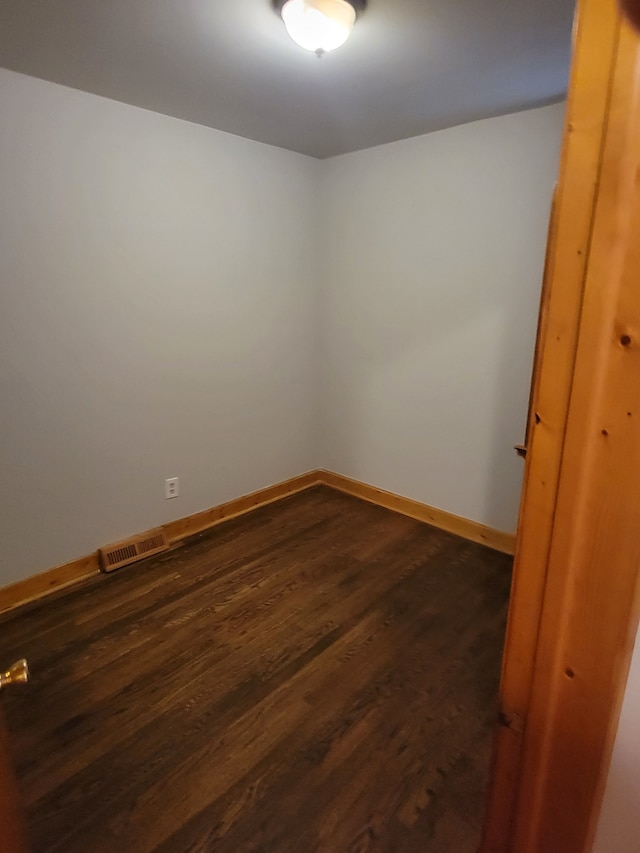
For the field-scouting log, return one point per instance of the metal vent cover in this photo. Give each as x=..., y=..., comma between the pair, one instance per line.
x=135, y=548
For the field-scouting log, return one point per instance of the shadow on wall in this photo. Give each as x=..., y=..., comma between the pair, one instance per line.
x=619, y=829
x=513, y=379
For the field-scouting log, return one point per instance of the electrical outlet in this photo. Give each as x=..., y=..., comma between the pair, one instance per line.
x=171, y=488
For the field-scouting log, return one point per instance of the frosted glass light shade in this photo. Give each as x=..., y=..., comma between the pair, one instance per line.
x=318, y=25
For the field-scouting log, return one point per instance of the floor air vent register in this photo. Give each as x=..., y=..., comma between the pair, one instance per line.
x=130, y=550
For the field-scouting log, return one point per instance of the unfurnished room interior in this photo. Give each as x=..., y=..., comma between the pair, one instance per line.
x=280, y=287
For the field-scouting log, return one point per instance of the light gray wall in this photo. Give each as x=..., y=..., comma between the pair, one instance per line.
x=157, y=308
x=176, y=301
x=434, y=252
x=619, y=826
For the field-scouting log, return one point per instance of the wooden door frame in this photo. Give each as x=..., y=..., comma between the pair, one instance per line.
x=573, y=620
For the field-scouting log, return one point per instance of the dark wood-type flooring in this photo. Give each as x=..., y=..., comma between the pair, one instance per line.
x=318, y=675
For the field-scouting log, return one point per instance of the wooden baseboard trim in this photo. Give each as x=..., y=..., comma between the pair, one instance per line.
x=70, y=573
x=37, y=586
x=191, y=524
x=472, y=530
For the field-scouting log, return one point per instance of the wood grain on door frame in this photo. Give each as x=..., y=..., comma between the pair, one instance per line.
x=574, y=604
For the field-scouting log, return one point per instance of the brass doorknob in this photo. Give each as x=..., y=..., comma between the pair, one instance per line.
x=16, y=674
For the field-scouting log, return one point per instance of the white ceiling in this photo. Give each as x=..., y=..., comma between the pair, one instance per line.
x=410, y=66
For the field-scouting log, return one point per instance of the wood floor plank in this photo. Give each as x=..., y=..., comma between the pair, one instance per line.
x=318, y=675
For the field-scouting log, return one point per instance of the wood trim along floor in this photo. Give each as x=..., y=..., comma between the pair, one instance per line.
x=52, y=580
x=183, y=527
x=37, y=586
x=57, y=578
x=464, y=527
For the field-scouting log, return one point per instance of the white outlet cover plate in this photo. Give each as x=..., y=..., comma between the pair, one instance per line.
x=171, y=488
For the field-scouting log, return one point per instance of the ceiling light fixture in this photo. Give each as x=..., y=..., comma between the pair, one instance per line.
x=319, y=25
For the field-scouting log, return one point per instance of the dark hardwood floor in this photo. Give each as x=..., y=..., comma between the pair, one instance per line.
x=318, y=675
